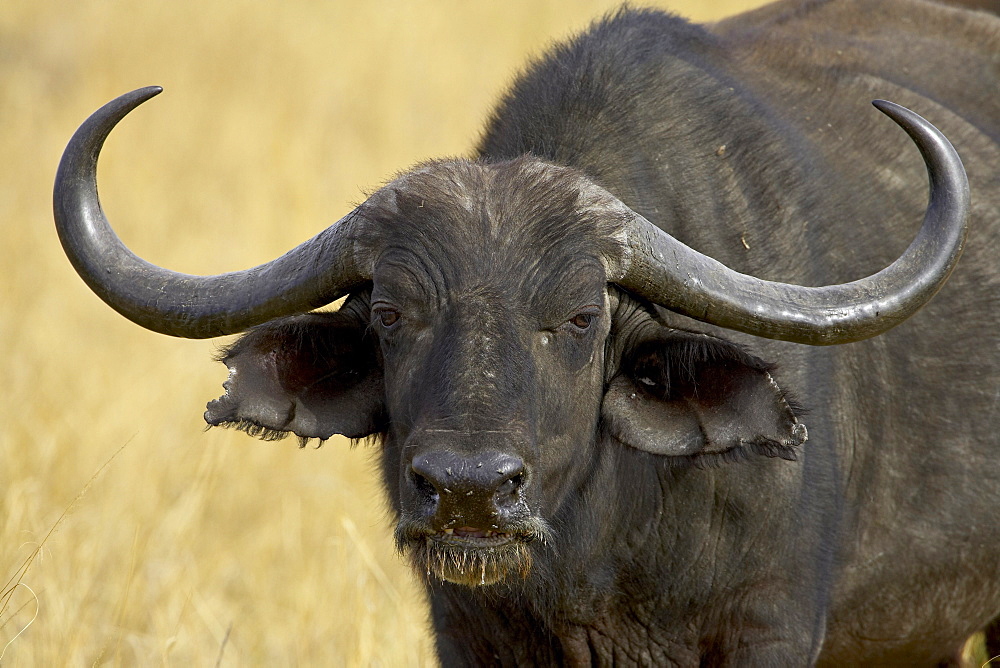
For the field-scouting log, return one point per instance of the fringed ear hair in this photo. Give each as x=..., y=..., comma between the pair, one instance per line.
x=691, y=395
x=312, y=375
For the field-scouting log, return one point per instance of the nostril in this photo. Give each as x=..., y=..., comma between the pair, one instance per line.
x=424, y=486
x=511, y=485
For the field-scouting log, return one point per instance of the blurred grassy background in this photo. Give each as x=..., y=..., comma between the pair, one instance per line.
x=193, y=546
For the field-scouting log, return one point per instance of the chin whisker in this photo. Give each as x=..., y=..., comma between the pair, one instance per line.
x=470, y=566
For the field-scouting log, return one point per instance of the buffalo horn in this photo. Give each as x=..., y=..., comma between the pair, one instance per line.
x=311, y=275
x=665, y=271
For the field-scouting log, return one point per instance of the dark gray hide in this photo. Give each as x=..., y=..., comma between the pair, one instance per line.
x=581, y=473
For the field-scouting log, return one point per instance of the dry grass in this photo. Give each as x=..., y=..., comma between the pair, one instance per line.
x=191, y=546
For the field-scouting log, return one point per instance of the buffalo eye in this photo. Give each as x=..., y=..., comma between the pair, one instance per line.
x=581, y=322
x=387, y=316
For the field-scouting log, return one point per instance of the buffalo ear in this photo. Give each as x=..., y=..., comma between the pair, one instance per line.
x=313, y=375
x=693, y=395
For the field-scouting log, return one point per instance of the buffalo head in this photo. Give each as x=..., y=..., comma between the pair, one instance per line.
x=501, y=324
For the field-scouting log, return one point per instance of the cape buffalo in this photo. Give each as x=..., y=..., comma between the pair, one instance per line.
x=590, y=390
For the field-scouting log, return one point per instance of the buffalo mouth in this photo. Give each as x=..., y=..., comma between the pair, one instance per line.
x=471, y=556
x=471, y=537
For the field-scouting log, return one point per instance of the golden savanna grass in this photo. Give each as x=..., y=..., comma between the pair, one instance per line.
x=191, y=547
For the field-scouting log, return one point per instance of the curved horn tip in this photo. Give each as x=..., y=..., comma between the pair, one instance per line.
x=117, y=108
x=905, y=118
x=898, y=113
x=882, y=105
x=90, y=136
x=147, y=92
x=136, y=97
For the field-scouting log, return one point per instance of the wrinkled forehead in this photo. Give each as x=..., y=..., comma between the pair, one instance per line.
x=463, y=222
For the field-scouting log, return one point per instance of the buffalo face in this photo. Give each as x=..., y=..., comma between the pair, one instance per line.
x=492, y=357
x=490, y=313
